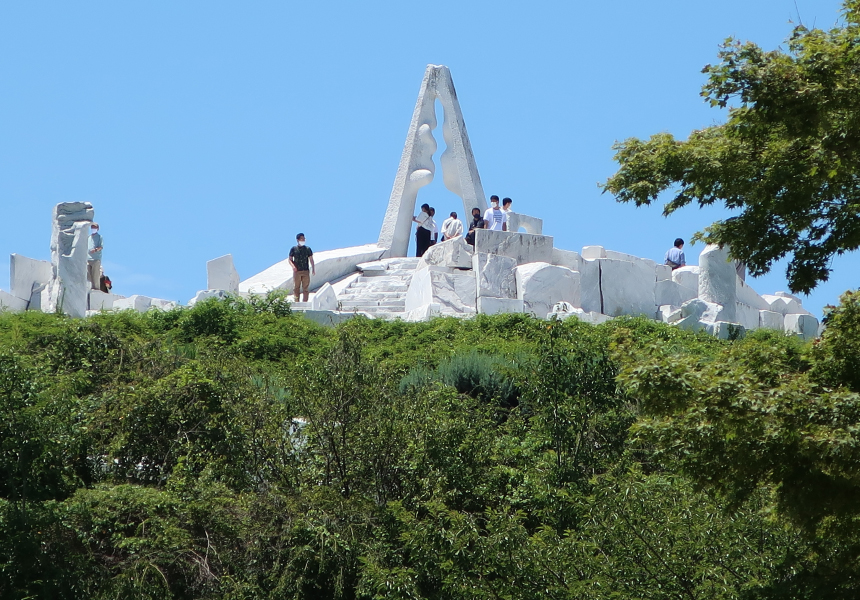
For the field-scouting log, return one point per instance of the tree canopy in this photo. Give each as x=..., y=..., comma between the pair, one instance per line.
x=787, y=159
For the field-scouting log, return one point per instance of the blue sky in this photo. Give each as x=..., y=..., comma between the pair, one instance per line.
x=198, y=129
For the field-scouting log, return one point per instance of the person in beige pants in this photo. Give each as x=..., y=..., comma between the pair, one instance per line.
x=302, y=257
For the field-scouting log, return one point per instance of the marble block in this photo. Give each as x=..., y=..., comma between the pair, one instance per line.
x=667, y=291
x=541, y=285
x=787, y=295
x=454, y=292
x=630, y=258
x=723, y=330
x=718, y=279
x=331, y=265
x=161, y=304
x=687, y=277
x=769, y=319
x=12, y=303
x=374, y=266
x=664, y=272
x=204, y=295
x=784, y=305
x=805, y=326
x=524, y=247
x=222, y=275
x=495, y=275
x=747, y=295
x=690, y=323
x=627, y=288
x=589, y=285
x=567, y=258
x=324, y=298
x=488, y=305
x=68, y=289
x=668, y=313
x=27, y=273
x=747, y=315
x=703, y=311
x=423, y=313
x=99, y=300
x=136, y=303
x=454, y=254
x=517, y=221
x=592, y=252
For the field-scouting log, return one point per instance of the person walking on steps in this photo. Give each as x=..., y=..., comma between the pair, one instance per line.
x=302, y=257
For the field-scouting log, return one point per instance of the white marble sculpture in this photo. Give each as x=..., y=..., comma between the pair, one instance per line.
x=459, y=171
x=68, y=289
x=221, y=274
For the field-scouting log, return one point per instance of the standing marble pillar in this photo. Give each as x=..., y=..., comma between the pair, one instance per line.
x=718, y=280
x=68, y=289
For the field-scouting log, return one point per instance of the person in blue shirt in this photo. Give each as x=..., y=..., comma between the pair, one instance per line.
x=675, y=256
x=94, y=256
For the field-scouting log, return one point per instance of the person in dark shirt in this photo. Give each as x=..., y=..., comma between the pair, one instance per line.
x=477, y=223
x=301, y=257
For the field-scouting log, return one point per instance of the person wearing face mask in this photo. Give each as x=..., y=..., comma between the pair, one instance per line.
x=495, y=218
x=477, y=223
x=301, y=256
x=94, y=256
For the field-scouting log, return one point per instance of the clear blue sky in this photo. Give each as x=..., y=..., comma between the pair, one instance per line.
x=198, y=129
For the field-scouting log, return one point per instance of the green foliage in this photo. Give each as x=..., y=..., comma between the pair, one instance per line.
x=237, y=450
x=786, y=159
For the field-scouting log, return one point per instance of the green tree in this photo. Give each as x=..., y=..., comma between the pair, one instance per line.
x=787, y=160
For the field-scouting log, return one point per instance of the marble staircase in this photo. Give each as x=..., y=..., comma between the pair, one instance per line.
x=381, y=288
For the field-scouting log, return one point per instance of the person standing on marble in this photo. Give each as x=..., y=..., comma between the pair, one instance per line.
x=477, y=223
x=451, y=227
x=506, y=204
x=434, y=231
x=495, y=218
x=94, y=256
x=675, y=256
x=302, y=257
x=422, y=232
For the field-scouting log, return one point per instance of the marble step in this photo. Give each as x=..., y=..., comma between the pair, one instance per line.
x=350, y=304
x=370, y=295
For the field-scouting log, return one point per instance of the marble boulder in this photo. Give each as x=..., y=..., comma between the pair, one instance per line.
x=541, y=285
x=454, y=254
x=222, y=275
x=25, y=274
x=523, y=247
x=495, y=275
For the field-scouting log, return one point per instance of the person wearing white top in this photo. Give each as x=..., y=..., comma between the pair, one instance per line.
x=506, y=204
x=451, y=227
x=496, y=219
x=422, y=232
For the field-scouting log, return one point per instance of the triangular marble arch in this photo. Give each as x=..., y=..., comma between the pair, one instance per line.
x=459, y=171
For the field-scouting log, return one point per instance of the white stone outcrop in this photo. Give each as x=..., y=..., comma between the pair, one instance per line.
x=771, y=320
x=26, y=274
x=454, y=254
x=541, y=285
x=523, y=247
x=11, y=303
x=488, y=305
x=199, y=297
x=567, y=258
x=68, y=289
x=627, y=287
x=517, y=221
x=454, y=292
x=331, y=265
x=325, y=298
x=495, y=275
x=805, y=326
x=593, y=252
x=718, y=279
x=221, y=274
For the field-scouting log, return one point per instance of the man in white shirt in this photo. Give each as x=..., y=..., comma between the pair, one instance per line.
x=496, y=219
x=434, y=230
x=506, y=204
x=451, y=227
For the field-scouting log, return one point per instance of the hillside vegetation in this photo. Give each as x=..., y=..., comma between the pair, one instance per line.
x=237, y=450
